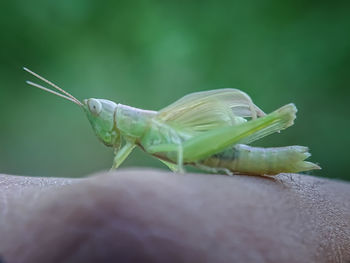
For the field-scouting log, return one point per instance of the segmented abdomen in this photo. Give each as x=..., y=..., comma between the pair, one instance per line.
x=255, y=160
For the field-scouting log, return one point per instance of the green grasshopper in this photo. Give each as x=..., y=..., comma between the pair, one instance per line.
x=209, y=130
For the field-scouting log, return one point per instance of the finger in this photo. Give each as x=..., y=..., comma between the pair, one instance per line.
x=157, y=216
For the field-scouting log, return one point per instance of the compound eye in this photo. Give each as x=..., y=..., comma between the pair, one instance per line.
x=95, y=106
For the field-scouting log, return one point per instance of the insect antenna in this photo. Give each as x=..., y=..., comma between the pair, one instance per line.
x=51, y=91
x=67, y=95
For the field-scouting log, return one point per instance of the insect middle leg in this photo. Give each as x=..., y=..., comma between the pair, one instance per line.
x=180, y=160
x=178, y=164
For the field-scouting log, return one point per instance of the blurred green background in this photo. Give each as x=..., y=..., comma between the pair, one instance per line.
x=149, y=53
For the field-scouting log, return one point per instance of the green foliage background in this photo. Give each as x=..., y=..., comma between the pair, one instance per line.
x=149, y=53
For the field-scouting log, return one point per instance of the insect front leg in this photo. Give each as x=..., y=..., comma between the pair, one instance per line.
x=122, y=154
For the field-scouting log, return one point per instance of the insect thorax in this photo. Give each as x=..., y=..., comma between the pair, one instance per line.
x=132, y=122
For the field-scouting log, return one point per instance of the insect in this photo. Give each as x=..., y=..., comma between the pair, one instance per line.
x=209, y=130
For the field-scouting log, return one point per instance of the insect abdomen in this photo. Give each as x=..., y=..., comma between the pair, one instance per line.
x=255, y=160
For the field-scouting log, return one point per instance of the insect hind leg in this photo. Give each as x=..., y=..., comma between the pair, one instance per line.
x=196, y=148
x=213, y=170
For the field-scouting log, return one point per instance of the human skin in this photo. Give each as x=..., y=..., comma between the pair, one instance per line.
x=155, y=216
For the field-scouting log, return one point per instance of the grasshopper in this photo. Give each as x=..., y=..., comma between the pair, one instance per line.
x=210, y=130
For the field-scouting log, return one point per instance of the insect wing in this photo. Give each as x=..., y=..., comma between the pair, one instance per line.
x=203, y=111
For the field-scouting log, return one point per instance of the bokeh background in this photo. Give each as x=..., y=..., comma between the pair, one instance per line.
x=149, y=53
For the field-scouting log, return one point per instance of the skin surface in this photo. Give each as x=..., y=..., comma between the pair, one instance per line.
x=155, y=216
